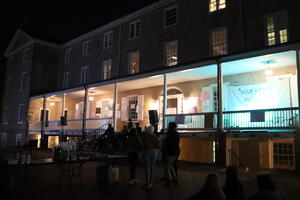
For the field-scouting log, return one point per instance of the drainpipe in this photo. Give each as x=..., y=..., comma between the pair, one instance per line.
x=115, y=107
x=165, y=101
x=84, y=112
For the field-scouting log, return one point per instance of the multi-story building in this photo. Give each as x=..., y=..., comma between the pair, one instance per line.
x=226, y=71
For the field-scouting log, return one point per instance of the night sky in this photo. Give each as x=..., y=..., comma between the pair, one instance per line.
x=61, y=21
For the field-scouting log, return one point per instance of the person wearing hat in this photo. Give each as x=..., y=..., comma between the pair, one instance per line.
x=152, y=144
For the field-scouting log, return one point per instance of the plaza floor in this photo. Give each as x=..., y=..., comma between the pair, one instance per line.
x=39, y=183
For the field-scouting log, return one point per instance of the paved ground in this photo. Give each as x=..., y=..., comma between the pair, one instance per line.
x=39, y=183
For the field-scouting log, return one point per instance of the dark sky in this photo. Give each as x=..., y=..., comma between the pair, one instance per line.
x=61, y=20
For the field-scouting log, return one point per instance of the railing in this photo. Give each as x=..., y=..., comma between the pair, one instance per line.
x=263, y=118
x=34, y=127
x=245, y=119
x=193, y=121
x=102, y=126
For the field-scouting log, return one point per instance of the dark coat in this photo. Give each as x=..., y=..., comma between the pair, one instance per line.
x=171, y=143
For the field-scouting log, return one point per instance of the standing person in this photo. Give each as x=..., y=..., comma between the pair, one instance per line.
x=211, y=190
x=233, y=189
x=130, y=124
x=133, y=146
x=151, y=143
x=266, y=188
x=138, y=128
x=171, y=149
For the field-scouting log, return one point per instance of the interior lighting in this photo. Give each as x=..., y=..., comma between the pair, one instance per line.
x=91, y=98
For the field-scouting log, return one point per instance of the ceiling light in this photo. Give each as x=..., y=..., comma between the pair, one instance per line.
x=52, y=104
x=268, y=72
x=91, y=98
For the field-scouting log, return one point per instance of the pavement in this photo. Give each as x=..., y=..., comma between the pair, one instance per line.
x=42, y=183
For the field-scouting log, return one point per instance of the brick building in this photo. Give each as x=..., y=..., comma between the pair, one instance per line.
x=226, y=71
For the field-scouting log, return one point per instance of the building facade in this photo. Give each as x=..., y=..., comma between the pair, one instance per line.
x=226, y=71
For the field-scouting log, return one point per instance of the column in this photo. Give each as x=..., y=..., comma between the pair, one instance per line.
x=44, y=138
x=165, y=101
x=114, y=124
x=84, y=112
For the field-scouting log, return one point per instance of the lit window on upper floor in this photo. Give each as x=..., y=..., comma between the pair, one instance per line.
x=134, y=62
x=171, y=16
x=108, y=39
x=218, y=41
x=171, y=55
x=86, y=47
x=276, y=28
x=26, y=55
x=68, y=55
x=106, y=69
x=134, y=29
x=215, y=5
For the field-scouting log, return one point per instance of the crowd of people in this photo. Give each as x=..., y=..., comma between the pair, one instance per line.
x=145, y=145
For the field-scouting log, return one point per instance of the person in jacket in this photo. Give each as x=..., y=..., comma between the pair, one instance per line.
x=133, y=147
x=151, y=145
x=171, y=150
x=266, y=188
x=233, y=189
x=211, y=189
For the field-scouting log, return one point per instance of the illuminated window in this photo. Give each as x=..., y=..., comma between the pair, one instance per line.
x=216, y=5
x=171, y=57
x=134, y=29
x=84, y=75
x=21, y=114
x=66, y=81
x=68, y=55
x=219, y=41
x=86, y=47
x=23, y=81
x=132, y=110
x=107, y=69
x=26, y=55
x=108, y=39
x=276, y=28
x=171, y=16
x=134, y=62
x=283, y=155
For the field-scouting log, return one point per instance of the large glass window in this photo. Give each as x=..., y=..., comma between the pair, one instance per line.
x=135, y=29
x=136, y=98
x=276, y=27
x=108, y=39
x=192, y=97
x=100, y=107
x=261, y=91
x=106, y=69
x=219, y=41
x=216, y=5
x=171, y=16
x=171, y=57
x=134, y=62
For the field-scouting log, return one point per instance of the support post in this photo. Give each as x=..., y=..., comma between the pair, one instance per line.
x=84, y=112
x=220, y=137
x=297, y=133
x=115, y=107
x=62, y=128
x=165, y=101
x=44, y=138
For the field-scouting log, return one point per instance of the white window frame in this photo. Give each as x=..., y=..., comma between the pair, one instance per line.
x=66, y=80
x=108, y=39
x=219, y=44
x=9, y=79
x=25, y=55
x=165, y=16
x=68, y=55
x=129, y=62
x=86, y=47
x=280, y=25
x=218, y=5
x=4, y=139
x=6, y=115
x=21, y=113
x=136, y=34
x=107, y=69
x=165, y=53
x=84, y=75
x=22, y=81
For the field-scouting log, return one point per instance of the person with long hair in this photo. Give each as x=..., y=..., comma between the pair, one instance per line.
x=234, y=189
x=266, y=188
x=211, y=189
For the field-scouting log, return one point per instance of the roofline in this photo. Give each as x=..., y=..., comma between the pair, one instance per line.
x=119, y=21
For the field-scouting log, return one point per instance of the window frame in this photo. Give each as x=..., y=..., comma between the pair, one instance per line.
x=108, y=36
x=129, y=61
x=217, y=5
x=68, y=55
x=106, y=72
x=177, y=16
x=3, y=135
x=84, y=75
x=134, y=23
x=6, y=115
x=26, y=55
x=165, y=52
x=86, y=47
x=66, y=84
x=21, y=112
x=224, y=28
